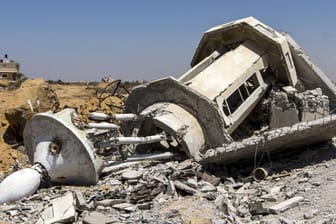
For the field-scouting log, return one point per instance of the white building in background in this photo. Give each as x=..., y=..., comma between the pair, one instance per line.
x=9, y=69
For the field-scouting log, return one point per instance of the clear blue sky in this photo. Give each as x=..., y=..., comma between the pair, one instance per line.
x=86, y=40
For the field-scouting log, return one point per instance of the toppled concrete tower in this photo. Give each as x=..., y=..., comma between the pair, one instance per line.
x=241, y=71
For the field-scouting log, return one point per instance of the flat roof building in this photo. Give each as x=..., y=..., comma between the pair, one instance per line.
x=9, y=69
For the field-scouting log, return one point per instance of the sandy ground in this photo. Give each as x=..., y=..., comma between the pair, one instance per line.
x=8, y=155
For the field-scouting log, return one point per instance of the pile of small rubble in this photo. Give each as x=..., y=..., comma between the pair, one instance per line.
x=185, y=192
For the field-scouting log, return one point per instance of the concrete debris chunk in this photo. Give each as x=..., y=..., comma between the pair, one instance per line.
x=186, y=164
x=96, y=218
x=206, y=187
x=181, y=186
x=171, y=190
x=144, y=206
x=80, y=199
x=110, y=202
x=209, y=178
x=311, y=214
x=125, y=206
x=192, y=183
x=131, y=174
x=4, y=208
x=119, y=166
x=287, y=204
x=61, y=209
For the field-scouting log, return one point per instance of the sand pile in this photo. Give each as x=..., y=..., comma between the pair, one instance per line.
x=32, y=97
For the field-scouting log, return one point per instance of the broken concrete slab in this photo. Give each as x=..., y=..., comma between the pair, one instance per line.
x=131, y=174
x=97, y=218
x=186, y=164
x=181, y=186
x=283, y=113
x=110, y=202
x=212, y=179
x=80, y=199
x=61, y=209
x=206, y=187
x=295, y=136
x=125, y=206
x=118, y=166
x=287, y=204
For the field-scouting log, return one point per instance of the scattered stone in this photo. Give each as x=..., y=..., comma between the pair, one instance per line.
x=289, y=194
x=284, y=220
x=131, y=174
x=308, y=174
x=186, y=164
x=144, y=206
x=80, y=200
x=13, y=212
x=4, y=208
x=110, y=202
x=230, y=180
x=211, y=178
x=310, y=214
x=100, y=208
x=316, y=183
x=171, y=188
x=138, y=193
x=330, y=179
x=207, y=187
x=96, y=218
x=60, y=209
x=303, y=180
x=287, y=204
x=237, y=185
x=179, y=185
x=257, y=208
x=275, y=190
x=242, y=211
x=124, y=216
x=269, y=197
x=125, y=206
x=192, y=183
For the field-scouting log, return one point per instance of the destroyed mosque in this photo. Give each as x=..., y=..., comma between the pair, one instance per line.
x=249, y=87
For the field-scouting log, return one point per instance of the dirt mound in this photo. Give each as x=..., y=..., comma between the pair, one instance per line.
x=4, y=83
x=33, y=96
x=15, y=111
x=90, y=98
x=110, y=105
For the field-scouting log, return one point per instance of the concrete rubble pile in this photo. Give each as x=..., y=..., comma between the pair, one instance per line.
x=251, y=93
x=151, y=192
